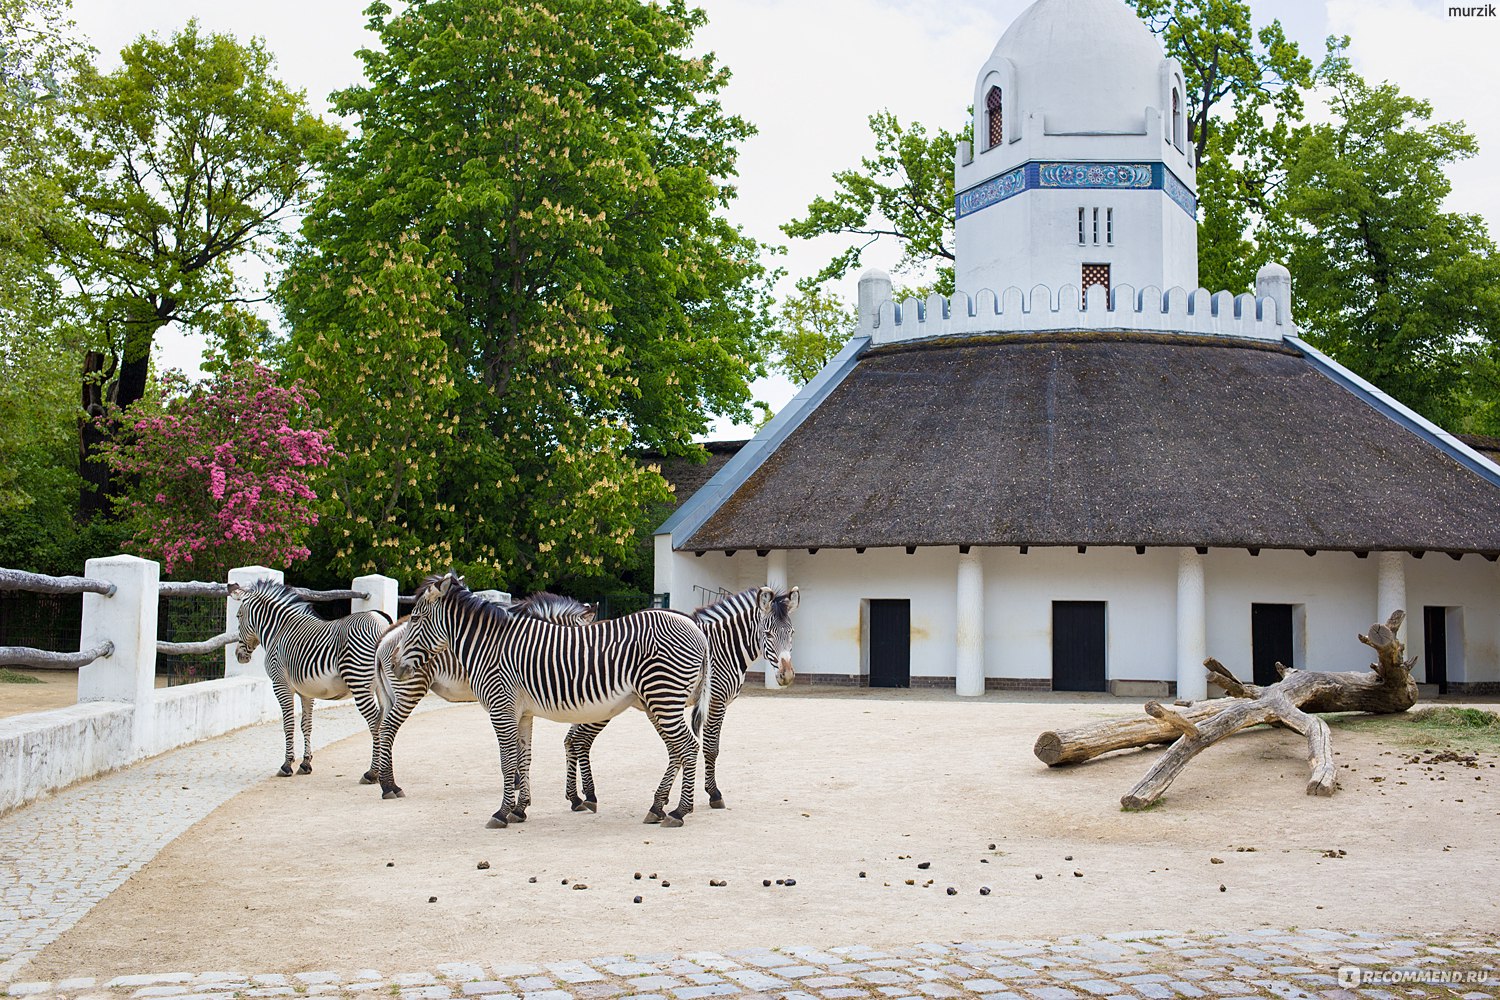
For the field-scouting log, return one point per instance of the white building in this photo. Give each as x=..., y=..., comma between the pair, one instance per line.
x=1025, y=487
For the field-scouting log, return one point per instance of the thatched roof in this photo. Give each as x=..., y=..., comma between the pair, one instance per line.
x=1103, y=439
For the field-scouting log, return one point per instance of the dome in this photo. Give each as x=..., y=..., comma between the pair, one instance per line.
x=1089, y=65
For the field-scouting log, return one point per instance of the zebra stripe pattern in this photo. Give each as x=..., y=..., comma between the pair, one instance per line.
x=741, y=629
x=443, y=674
x=310, y=658
x=520, y=668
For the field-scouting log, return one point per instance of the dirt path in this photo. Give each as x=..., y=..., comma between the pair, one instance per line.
x=58, y=689
x=318, y=872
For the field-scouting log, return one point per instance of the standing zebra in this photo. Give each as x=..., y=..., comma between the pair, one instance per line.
x=741, y=629
x=443, y=673
x=311, y=658
x=521, y=667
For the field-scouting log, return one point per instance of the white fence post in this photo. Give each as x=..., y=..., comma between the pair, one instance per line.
x=128, y=619
x=245, y=576
x=382, y=591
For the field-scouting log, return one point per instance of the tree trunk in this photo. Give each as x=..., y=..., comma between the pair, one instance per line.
x=1289, y=702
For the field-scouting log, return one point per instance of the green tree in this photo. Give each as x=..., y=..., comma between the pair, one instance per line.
x=1386, y=281
x=814, y=326
x=1243, y=102
x=904, y=191
x=179, y=164
x=557, y=171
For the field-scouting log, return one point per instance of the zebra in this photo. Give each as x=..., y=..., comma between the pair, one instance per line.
x=522, y=667
x=741, y=629
x=311, y=658
x=443, y=673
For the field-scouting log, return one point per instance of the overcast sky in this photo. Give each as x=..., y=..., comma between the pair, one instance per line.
x=807, y=73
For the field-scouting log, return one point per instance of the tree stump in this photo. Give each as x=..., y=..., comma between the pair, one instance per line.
x=1290, y=702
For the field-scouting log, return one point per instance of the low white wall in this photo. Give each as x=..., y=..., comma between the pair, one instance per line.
x=41, y=752
x=192, y=712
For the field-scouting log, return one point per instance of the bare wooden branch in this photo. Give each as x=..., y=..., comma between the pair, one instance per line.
x=1292, y=702
x=37, y=583
x=25, y=656
x=1157, y=710
x=193, y=648
x=330, y=595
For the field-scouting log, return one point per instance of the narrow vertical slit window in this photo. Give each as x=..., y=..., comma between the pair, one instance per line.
x=1176, y=118
x=1080, y=226
x=994, y=105
x=1109, y=226
x=1096, y=227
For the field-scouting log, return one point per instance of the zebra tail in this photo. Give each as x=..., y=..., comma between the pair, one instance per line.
x=385, y=691
x=700, y=707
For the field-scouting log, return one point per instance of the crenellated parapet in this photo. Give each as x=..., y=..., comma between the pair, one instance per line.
x=1264, y=315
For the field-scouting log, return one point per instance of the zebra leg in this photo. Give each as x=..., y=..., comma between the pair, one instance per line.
x=369, y=707
x=712, y=730
x=408, y=694
x=307, y=706
x=579, y=741
x=287, y=700
x=677, y=737
x=503, y=719
x=523, y=785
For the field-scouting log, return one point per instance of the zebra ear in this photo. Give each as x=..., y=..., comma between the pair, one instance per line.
x=763, y=600
x=235, y=591
x=793, y=599
x=445, y=584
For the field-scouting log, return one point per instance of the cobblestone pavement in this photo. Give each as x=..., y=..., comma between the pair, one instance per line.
x=64, y=853
x=1154, y=965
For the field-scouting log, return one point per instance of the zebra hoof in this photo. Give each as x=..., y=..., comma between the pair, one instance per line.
x=304, y=768
x=580, y=806
x=495, y=823
x=591, y=805
x=368, y=778
x=671, y=822
x=393, y=793
x=285, y=772
x=716, y=804
x=653, y=817
x=516, y=817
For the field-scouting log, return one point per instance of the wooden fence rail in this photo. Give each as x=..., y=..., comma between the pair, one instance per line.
x=25, y=656
x=194, y=648
x=37, y=583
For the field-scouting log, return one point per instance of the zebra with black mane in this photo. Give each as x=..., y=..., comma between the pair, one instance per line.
x=444, y=674
x=522, y=667
x=310, y=658
x=742, y=629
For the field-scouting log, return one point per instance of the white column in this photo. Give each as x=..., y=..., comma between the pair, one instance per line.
x=1192, y=626
x=776, y=580
x=1390, y=591
x=969, y=666
x=246, y=576
x=128, y=620
x=383, y=595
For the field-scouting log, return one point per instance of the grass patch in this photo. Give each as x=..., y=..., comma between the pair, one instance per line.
x=9, y=676
x=1435, y=727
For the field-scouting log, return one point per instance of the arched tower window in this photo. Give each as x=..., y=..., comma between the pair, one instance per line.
x=994, y=106
x=1176, y=118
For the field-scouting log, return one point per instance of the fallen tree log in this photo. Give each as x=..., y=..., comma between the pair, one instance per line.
x=1290, y=702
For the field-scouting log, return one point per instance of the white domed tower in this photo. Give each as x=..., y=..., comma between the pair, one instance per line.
x=1080, y=172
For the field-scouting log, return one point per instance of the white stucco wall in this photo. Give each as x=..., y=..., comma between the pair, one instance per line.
x=1335, y=593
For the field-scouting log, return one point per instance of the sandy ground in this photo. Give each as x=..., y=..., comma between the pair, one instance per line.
x=59, y=689
x=319, y=872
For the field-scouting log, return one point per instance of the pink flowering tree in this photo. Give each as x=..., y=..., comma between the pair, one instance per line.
x=219, y=474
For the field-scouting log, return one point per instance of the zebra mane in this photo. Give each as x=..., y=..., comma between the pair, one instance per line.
x=778, y=603
x=459, y=595
x=550, y=607
x=277, y=593
x=436, y=578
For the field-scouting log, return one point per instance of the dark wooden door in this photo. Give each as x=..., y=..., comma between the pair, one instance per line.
x=890, y=644
x=1271, y=640
x=1078, y=646
x=1435, y=641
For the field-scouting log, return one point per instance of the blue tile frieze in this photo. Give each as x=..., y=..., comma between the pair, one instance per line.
x=1076, y=177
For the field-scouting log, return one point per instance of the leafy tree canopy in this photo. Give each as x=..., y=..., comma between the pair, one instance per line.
x=536, y=192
